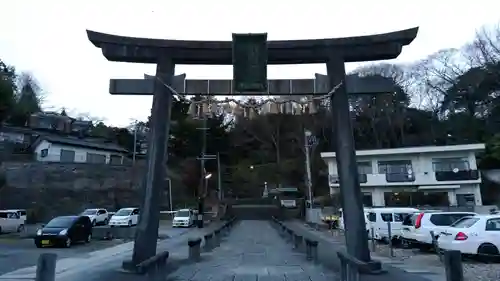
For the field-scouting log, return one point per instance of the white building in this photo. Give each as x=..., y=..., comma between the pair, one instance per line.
x=74, y=150
x=415, y=176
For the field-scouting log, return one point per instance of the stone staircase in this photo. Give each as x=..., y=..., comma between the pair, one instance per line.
x=260, y=209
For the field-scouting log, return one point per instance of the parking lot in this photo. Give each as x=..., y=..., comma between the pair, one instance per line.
x=18, y=250
x=474, y=269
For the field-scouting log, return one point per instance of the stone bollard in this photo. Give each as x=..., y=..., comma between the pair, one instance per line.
x=435, y=245
x=194, y=248
x=209, y=241
x=290, y=235
x=297, y=242
x=311, y=250
x=453, y=266
x=46, y=267
x=217, y=238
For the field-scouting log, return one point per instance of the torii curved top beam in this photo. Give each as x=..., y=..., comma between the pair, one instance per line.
x=360, y=48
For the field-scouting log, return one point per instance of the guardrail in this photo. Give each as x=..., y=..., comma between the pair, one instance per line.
x=213, y=238
x=351, y=268
x=155, y=267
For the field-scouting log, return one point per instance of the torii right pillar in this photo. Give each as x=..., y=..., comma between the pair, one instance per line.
x=343, y=140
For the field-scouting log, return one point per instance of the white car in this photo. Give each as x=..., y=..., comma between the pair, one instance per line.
x=96, y=216
x=10, y=222
x=478, y=235
x=125, y=217
x=21, y=212
x=416, y=230
x=183, y=218
x=341, y=218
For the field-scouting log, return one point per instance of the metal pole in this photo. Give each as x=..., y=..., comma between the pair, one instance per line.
x=135, y=143
x=146, y=235
x=203, y=181
x=307, y=134
x=170, y=194
x=219, y=179
x=343, y=143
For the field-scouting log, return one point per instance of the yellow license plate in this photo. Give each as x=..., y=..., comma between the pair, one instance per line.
x=45, y=242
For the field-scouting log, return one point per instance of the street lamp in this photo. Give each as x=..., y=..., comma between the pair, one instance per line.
x=207, y=176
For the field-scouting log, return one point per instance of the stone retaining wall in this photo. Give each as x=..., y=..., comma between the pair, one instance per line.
x=49, y=189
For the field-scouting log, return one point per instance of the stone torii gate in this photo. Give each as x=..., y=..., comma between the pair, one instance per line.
x=167, y=53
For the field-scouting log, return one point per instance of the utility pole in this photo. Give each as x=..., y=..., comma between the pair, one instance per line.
x=308, y=142
x=170, y=193
x=219, y=178
x=135, y=142
x=202, y=189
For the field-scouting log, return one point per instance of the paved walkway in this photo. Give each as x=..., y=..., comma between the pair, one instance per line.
x=253, y=251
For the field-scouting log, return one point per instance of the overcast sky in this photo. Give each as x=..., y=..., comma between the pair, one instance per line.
x=48, y=38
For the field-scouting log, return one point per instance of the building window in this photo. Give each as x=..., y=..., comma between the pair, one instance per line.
x=44, y=152
x=395, y=167
x=365, y=168
x=450, y=164
x=45, y=123
x=67, y=156
x=95, y=158
x=115, y=160
x=466, y=200
x=367, y=199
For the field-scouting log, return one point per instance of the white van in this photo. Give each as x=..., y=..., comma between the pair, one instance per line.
x=183, y=218
x=10, y=221
x=341, y=218
x=21, y=212
x=125, y=217
x=378, y=219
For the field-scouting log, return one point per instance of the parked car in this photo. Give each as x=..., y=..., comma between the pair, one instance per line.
x=21, y=212
x=478, y=235
x=10, y=221
x=380, y=218
x=341, y=218
x=96, y=216
x=416, y=230
x=183, y=218
x=64, y=231
x=125, y=217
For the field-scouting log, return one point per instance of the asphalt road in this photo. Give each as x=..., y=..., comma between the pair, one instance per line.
x=16, y=252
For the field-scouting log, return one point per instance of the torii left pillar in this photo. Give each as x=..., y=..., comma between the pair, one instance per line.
x=146, y=236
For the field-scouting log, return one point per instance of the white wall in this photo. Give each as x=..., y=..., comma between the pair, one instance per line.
x=54, y=152
x=378, y=198
x=422, y=168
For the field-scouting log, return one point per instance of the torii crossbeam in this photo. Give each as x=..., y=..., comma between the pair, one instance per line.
x=355, y=84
